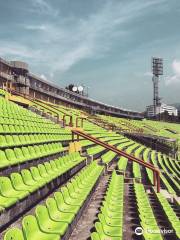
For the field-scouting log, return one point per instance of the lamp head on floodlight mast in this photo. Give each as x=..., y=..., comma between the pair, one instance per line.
x=157, y=70
x=78, y=89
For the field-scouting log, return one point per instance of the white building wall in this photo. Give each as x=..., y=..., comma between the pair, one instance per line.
x=160, y=109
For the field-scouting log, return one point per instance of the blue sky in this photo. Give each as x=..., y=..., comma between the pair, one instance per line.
x=106, y=45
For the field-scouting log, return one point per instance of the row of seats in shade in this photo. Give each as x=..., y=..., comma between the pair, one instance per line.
x=15, y=156
x=20, y=185
x=52, y=220
x=109, y=224
x=26, y=139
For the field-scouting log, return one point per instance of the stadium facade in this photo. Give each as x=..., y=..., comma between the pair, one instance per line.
x=15, y=76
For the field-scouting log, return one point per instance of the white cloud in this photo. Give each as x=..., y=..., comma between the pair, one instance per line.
x=63, y=43
x=35, y=27
x=175, y=79
x=43, y=7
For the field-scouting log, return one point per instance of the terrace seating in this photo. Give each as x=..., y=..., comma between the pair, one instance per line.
x=110, y=219
x=20, y=185
x=14, y=156
x=47, y=222
x=146, y=216
x=28, y=142
x=170, y=214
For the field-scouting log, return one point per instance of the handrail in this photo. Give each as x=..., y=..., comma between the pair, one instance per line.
x=156, y=172
x=82, y=121
x=70, y=120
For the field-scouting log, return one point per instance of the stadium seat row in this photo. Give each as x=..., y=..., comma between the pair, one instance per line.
x=26, y=139
x=20, y=185
x=110, y=219
x=146, y=215
x=18, y=155
x=52, y=220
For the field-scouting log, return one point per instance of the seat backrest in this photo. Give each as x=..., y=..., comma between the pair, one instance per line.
x=16, y=179
x=59, y=198
x=10, y=154
x=35, y=172
x=42, y=169
x=99, y=228
x=14, y=234
x=5, y=185
x=53, y=165
x=30, y=226
x=2, y=140
x=9, y=139
x=18, y=152
x=48, y=167
x=41, y=213
x=3, y=156
x=26, y=174
x=95, y=236
x=51, y=205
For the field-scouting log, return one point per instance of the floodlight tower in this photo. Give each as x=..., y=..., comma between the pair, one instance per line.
x=157, y=70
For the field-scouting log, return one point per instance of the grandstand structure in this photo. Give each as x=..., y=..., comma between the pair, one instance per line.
x=14, y=75
x=73, y=168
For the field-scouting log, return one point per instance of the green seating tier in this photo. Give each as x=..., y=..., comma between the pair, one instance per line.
x=146, y=215
x=110, y=219
x=15, y=156
x=21, y=184
x=51, y=221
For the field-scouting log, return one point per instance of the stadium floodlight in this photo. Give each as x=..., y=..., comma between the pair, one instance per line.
x=157, y=66
x=157, y=70
x=80, y=88
x=74, y=89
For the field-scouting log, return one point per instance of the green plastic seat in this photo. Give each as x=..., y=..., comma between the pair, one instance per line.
x=95, y=236
x=56, y=214
x=7, y=189
x=19, y=154
x=48, y=225
x=36, y=176
x=6, y=202
x=11, y=156
x=28, y=179
x=18, y=183
x=3, y=160
x=64, y=207
x=50, y=171
x=43, y=173
x=9, y=140
x=103, y=235
x=32, y=231
x=26, y=153
x=14, y=234
x=3, y=142
x=68, y=199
